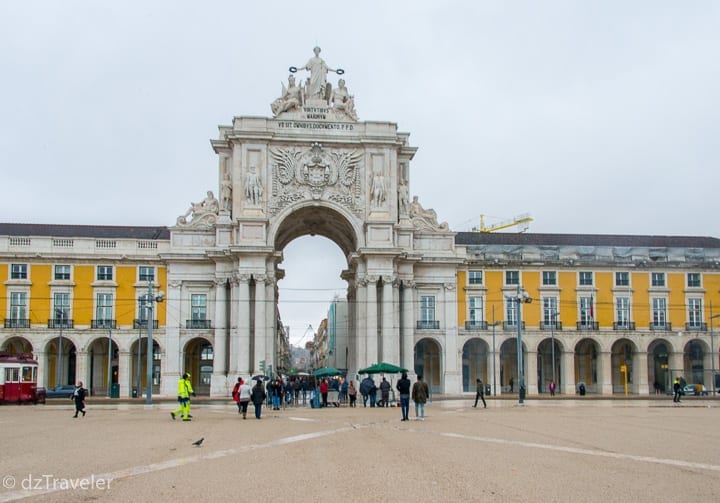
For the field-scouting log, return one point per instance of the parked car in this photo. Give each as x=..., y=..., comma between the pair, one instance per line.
x=60, y=391
x=691, y=390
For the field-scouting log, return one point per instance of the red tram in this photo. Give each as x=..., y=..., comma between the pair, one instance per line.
x=18, y=379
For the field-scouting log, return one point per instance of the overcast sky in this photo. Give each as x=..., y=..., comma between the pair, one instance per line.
x=592, y=116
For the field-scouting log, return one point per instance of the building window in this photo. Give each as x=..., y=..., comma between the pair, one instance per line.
x=657, y=279
x=695, y=313
x=206, y=352
x=476, y=310
x=585, y=278
x=659, y=312
x=475, y=278
x=198, y=307
x=18, y=271
x=427, y=308
x=146, y=273
x=622, y=279
x=104, y=273
x=622, y=312
x=205, y=374
x=549, y=278
x=693, y=279
x=512, y=277
x=587, y=311
x=511, y=312
x=18, y=306
x=103, y=310
x=61, y=305
x=62, y=272
x=550, y=311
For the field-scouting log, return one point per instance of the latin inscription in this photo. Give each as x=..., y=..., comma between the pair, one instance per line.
x=316, y=125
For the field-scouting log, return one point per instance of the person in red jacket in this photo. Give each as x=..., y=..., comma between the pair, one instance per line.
x=324, y=392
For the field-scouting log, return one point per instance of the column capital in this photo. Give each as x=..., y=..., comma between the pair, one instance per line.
x=238, y=278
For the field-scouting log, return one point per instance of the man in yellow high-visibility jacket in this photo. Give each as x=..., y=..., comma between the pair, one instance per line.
x=185, y=389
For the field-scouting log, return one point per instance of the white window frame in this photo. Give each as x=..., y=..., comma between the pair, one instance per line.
x=19, y=271
x=699, y=280
x=18, y=305
x=475, y=277
x=142, y=273
x=656, y=278
x=508, y=278
x=659, y=311
x=583, y=277
x=103, y=312
x=547, y=276
x=550, y=306
x=626, y=276
x=61, y=270
x=427, y=308
x=105, y=268
x=197, y=309
x=695, y=312
x=475, y=309
x=622, y=311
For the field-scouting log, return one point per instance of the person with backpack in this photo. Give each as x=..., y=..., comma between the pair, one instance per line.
x=257, y=397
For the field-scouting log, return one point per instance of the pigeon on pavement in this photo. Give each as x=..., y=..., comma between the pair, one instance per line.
x=198, y=443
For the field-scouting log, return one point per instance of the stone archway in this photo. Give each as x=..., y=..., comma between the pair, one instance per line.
x=97, y=366
x=510, y=383
x=658, y=364
x=624, y=366
x=427, y=363
x=138, y=367
x=17, y=345
x=199, y=357
x=61, y=361
x=587, y=371
x=546, y=364
x=695, y=355
x=474, y=364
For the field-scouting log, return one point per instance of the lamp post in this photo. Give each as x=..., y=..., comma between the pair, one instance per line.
x=493, y=325
x=712, y=349
x=59, y=318
x=148, y=301
x=109, y=363
x=553, y=314
x=520, y=298
x=137, y=365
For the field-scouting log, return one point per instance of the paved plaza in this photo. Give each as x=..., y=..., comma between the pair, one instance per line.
x=545, y=450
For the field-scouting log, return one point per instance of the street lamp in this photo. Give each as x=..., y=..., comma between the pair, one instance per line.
x=109, y=363
x=58, y=365
x=493, y=325
x=553, y=315
x=148, y=301
x=712, y=350
x=521, y=297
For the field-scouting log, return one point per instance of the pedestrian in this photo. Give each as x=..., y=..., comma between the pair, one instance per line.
x=365, y=386
x=343, y=390
x=479, y=393
x=185, y=389
x=552, y=388
x=420, y=393
x=244, y=398
x=677, y=387
x=352, y=393
x=304, y=387
x=384, y=392
x=403, y=387
x=324, y=392
x=78, y=397
x=372, y=394
x=512, y=383
x=275, y=390
x=236, y=393
x=258, y=396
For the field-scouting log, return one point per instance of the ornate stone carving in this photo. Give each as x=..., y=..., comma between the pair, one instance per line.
x=290, y=99
x=317, y=86
x=342, y=101
x=423, y=219
x=204, y=213
x=449, y=286
x=315, y=174
x=408, y=283
x=260, y=279
x=253, y=187
x=403, y=199
x=238, y=278
x=174, y=284
x=377, y=188
x=387, y=279
x=226, y=191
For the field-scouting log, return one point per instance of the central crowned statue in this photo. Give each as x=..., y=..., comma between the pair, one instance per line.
x=317, y=91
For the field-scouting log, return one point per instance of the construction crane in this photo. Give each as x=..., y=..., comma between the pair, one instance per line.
x=523, y=221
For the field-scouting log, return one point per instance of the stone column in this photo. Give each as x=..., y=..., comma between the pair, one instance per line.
x=41, y=357
x=352, y=326
x=124, y=373
x=453, y=380
x=408, y=342
x=170, y=367
x=604, y=364
x=271, y=331
x=372, y=320
x=531, y=374
x=219, y=380
x=260, y=336
x=240, y=323
x=82, y=370
x=567, y=372
x=361, y=324
x=640, y=374
x=389, y=332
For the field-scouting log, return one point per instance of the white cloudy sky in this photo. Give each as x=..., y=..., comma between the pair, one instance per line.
x=593, y=116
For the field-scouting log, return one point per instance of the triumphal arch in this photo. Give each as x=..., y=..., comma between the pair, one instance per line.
x=312, y=168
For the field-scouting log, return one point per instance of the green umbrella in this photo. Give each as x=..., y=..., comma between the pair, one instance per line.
x=382, y=368
x=326, y=372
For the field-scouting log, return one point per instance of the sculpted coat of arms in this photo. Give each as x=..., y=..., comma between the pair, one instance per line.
x=315, y=173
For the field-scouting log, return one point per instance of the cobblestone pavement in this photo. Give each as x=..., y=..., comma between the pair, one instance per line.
x=545, y=450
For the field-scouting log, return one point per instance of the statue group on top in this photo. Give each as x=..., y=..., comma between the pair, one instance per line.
x=316, y=89
x=203, y=213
